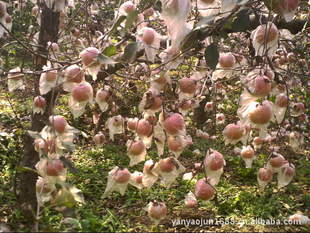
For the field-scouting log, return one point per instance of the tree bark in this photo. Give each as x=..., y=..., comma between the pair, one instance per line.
x=27, y=195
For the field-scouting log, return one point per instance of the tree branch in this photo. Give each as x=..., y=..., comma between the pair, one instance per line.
x=293, y=26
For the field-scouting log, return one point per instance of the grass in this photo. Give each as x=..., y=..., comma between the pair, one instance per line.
x=238, y=197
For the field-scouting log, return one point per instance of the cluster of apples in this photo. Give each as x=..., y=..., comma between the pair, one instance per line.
x=166, y=169
x=276, y=164
x=53, y=143
x=72, y=79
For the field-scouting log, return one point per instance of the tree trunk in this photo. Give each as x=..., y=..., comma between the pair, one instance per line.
x=27, y=195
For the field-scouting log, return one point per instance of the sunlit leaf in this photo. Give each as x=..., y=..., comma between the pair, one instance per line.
x=105, y=60
x=206, y=20
x=77, y=194
x=242, y=2
x=131, y=18
x=25, y=169
x=110, y=51
x=117, y=23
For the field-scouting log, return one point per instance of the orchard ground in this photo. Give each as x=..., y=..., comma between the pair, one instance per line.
x=238, y=199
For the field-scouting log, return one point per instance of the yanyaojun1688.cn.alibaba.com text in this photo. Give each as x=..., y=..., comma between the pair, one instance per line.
x=230, y=221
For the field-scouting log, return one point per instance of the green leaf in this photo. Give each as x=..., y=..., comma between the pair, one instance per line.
x=25, y=169
x=242, y=2
x=131, y=18
x=84, y=134
x=270, y=4
x=68, y=144
x=77, y=194
x=34, y=134
x=227, y=25
x=117, y=23
x=212, y=55
x=157, y=6
x=68, y=196
x=144, y=4
x=191, y=40
x=105, y=60
x=71, y=224
x=130, y=52
x=208, y=20
x=68, y=164
x=242, y=21
x=110, y=51
x=64, y=198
